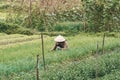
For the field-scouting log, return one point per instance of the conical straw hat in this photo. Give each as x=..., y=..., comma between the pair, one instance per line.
x=59, y=39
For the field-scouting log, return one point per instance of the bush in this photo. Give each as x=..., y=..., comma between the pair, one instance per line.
x=109, y=34
x=10, y=28
x=54, y=33
x=68, y=27
x=4, y=6
x=24, y=31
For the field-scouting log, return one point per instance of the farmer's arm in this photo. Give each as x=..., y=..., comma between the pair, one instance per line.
x=55, y=46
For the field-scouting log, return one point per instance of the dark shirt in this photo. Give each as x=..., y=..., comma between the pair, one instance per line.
x=60, y=44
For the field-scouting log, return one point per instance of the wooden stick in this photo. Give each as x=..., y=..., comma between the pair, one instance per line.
x=37, y=68
x=96, y=74
x=103, y=43
x=43, y=51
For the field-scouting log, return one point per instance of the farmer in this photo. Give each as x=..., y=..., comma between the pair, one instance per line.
x=60, y=43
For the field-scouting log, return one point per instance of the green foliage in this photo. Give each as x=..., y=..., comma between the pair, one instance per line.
x=86, y=69
x=69, y=27
x=94, y=15
x=4, y=6
x=109, y=34
x=101, y=15
x=34, y=21
x=18, y=60
x=54, y=33
x=14, y=18
x=25, y=31
x=114, y=75
x=74, y=14
x=10, y=28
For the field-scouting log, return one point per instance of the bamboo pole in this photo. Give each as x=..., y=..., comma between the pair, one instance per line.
x=103, y=43
x=43, y=51
x=37, y=68
x=96, y=73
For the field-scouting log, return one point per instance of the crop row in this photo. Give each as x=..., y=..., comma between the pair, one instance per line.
x=21, y=58
x=105, y=66
x=4, y=36
x=114, y=75
x=14, y=39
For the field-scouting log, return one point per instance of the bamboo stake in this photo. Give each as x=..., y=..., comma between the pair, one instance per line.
x=96, y=74
x=37, y=68
x=43, y=51
x=103, y=43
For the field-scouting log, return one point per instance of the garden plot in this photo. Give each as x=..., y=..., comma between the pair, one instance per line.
x=19, y=61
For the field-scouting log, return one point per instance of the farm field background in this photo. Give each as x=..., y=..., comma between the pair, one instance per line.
x=83, y=24
x=18, y=57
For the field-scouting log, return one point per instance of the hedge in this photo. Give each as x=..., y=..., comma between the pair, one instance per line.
x=10, y=28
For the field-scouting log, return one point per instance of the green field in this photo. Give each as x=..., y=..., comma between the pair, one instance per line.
x=18, y=58
x=83, y=24
x=3, y=15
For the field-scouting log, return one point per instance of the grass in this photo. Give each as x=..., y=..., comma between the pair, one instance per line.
x=114, y=75
x=2, y=34
x=2, y=15
x=19, y=60
x=15, y=39
x=10, y=36
x=108, y=64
